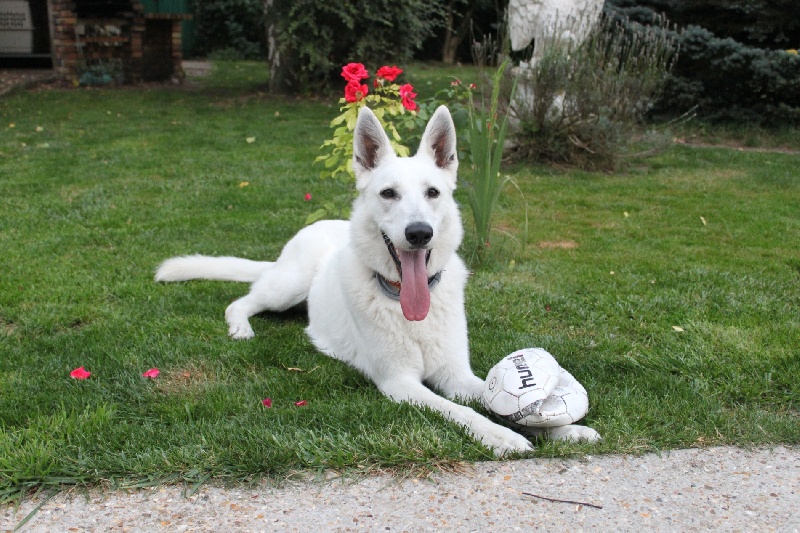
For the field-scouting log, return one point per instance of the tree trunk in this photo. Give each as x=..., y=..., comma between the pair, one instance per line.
x=451, y=40
x=273, y=53
x=454, y=35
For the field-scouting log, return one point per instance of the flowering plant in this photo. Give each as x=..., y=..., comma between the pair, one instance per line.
x=393, y=105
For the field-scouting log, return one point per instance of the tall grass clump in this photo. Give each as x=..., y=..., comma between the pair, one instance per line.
x=487, y=134
x=585, y=105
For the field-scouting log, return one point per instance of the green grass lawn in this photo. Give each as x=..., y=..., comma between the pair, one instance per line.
x=670, y=290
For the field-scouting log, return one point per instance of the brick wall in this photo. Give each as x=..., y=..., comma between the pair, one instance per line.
x=118, y=44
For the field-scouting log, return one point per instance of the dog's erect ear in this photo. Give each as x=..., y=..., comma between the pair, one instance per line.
x=370, y=143
x=439, y=141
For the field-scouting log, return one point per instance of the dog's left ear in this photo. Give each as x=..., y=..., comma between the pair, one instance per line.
x=439, y=141
x=370, y=143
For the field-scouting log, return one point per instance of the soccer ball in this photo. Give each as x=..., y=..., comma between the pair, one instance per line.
x=529, y=388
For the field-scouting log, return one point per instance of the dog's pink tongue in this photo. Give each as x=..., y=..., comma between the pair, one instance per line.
x=415, y=296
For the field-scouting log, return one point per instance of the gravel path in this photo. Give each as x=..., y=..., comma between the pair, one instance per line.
x=716, y=489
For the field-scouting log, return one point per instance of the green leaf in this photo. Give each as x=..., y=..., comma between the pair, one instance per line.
x=316, y=215
x=394, y=133
x=338, y=120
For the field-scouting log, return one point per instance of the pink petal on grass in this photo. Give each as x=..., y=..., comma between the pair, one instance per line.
x=80, y=373
x=301, y=403
x=152, y=373
x=307, y=197
x=267, y=402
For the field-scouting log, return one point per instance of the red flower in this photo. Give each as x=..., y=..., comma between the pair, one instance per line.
x=267, y=402
x=389, y=73
x=301, y=403
x=152, y=373
x=80, y=373
x=407, y=94
x=355, y=91
x=354, y=72
x=307, y=197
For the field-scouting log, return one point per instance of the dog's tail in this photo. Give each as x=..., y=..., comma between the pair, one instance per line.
x=217, y=268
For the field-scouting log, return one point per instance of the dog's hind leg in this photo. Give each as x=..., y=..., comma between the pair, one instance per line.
x=280, y=287
x=286, y=282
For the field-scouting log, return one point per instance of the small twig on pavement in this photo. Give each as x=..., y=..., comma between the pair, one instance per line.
x=556, y=500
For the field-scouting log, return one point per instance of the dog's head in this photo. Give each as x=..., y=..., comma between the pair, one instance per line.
x=406, y=224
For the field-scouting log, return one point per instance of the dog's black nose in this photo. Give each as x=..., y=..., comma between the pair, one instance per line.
x=419, y=234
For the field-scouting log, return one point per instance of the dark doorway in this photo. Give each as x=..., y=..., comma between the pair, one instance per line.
x=157, y=50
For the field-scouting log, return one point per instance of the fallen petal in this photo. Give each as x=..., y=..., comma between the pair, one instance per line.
x=152, y=373
x=80, y=373
x=267, y=402
x=301, y=403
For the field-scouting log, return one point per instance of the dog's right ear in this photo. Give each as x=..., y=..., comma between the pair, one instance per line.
x=370, y=143
x=439, y=141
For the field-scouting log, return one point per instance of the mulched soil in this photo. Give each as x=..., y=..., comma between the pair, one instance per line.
x=11, y=79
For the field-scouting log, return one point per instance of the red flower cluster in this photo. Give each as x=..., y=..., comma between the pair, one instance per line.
x=354, y=72
x=407, y=94
x=356, y=91
x=389, y=73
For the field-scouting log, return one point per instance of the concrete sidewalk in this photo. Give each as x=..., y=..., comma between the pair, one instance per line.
x=716, y=489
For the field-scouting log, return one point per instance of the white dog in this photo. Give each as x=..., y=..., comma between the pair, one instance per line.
x=385, y=290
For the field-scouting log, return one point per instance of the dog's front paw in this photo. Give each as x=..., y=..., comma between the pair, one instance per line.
x=241, y=331
x=573, y=432
x=504, y=441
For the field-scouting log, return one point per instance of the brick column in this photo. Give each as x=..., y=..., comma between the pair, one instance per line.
x=65, y=51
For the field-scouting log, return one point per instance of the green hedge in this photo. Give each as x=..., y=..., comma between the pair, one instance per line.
x=316, y=38
x=728, y=80
x=232, y=27
x=720, y=77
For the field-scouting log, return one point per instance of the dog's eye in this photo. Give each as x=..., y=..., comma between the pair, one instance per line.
x=388, y=194
x=433, y=192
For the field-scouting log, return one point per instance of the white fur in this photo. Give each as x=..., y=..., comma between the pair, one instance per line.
x=332, y=264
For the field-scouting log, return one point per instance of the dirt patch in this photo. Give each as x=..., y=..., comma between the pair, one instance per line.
x=11, y=79
x=7, y=328
x=734, y=145
x=181, y=380
x=558, y=245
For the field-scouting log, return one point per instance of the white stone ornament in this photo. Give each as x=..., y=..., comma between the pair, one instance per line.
x=529, y=388
x=546, y=20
